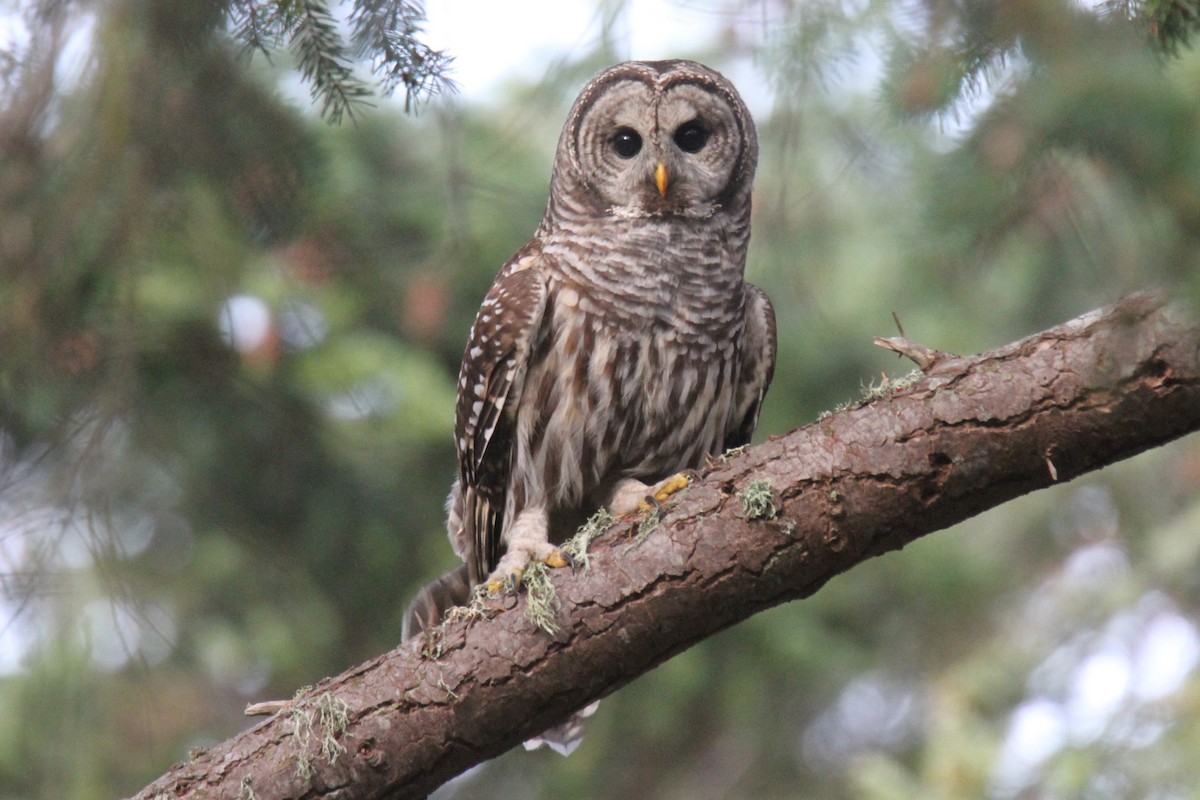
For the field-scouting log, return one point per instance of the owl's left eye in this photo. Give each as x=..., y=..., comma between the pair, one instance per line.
x=627, y=142
x=690, y=137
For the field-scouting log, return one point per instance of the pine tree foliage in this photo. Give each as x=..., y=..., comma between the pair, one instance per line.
x=383, y=32
x=943, y=53
x=1169, y=24
x=388, y=31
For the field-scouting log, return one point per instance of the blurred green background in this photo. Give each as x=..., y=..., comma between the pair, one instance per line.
x=230, y=331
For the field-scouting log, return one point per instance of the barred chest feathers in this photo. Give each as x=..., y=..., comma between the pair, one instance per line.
x=628, y=388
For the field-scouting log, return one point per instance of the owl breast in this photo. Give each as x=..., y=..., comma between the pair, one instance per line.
x=631, y=381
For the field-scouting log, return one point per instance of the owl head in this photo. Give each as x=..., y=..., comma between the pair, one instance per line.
x=654, y=139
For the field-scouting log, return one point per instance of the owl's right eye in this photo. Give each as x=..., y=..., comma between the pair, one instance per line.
x=626, y=142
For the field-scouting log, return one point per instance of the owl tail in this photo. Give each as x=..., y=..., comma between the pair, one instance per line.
x=435, y=599
x=564, y=737
x=454, y=589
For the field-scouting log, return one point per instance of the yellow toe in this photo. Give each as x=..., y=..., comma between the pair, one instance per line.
x=495, y=585
x=671, y=485
x=668, y=487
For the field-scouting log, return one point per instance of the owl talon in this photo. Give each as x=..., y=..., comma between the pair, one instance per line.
x=664, y=489
x=506, y=584
x=648, y=504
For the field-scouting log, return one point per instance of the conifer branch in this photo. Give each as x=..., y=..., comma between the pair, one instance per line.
x=764, y=526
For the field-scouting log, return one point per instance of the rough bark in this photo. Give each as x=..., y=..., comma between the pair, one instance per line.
x=970, y=434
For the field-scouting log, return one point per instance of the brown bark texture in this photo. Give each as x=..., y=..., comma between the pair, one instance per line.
x=968, y=435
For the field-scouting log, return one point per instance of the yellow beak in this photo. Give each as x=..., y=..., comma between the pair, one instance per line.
x=660, y=178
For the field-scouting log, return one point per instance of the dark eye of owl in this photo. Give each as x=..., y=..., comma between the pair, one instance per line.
x=627, y=142
x=691, y=136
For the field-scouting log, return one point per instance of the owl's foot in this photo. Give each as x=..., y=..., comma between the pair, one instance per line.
x=526, y=541
x=502, y=581
x=664, y=489
x=632, y=496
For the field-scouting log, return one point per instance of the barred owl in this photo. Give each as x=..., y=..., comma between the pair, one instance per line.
x=621, y=345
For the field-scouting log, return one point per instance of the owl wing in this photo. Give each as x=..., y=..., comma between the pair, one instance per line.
x=757, y=367
x=489, y=392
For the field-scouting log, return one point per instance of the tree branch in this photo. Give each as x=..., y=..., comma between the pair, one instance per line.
x=969, y=435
